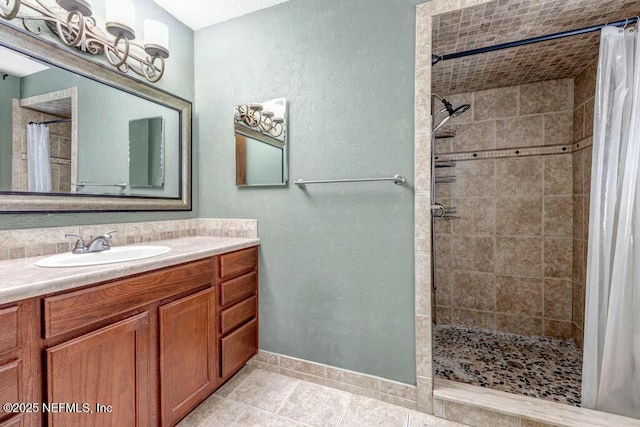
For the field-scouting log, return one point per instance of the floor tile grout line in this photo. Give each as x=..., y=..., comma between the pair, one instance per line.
x=238, y=386
x=288, y=395
x=244, y=411
x=344, y=410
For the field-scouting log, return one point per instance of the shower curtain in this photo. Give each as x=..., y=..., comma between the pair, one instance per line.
x=38, y=158
x=611, y=370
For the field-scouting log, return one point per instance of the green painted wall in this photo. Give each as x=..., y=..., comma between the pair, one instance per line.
x=336, y=269
x=178, y=79
x=9, y=89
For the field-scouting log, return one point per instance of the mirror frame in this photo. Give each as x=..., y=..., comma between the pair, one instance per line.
x=53, y=54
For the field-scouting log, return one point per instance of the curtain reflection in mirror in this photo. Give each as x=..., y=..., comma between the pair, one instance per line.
x=38, y=158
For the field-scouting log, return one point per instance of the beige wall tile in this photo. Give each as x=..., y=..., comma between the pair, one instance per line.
x=557, y=329
x=473, y=136
x=585, y=84
x=588, y=118
x=423, y=36
x=474, y=178
x=443, y=189
x=423, y=284
x=303, y=366
x=578, y=123
x=425, y=394
x=516, y=177
x=473, y=253
x=518, y=324
x=519, y=216
x=578, y=171
x=578, y=337
x=443, y=315
x=474, y=416
x=474, y=291
x=422, y=202
x=577, y=295
x=496, y=103
x=558, y=128
x=588, y=164
x=443, y=287
x=558, y=174
x=473, y=319
x=558, y=258
x=443, y=252
x=577, y=267
x=520, y=132
x=477, y=216
x=423, y=100
x=530, y=423
x=558, y=297
x=423, y=347
x=558, y=216
x=545, y=97
x=578, y=217
x=422, y=162
x=398, y=401
x=353, y=378
x=519, y=295
x=519, y=256
x=398, y=389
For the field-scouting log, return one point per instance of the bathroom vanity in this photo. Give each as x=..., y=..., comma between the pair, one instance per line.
x=137, y=343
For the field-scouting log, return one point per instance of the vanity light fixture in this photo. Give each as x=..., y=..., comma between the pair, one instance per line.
x=254, y=116
x=75, y=26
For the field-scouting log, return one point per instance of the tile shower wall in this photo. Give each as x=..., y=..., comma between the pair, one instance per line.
x=60, y=151
x=506, y=263
x=584, y=94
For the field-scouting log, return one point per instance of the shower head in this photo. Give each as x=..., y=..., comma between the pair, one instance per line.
x=453, y=112
x=461, y=109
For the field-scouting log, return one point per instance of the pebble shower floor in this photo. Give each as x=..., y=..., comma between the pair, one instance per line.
x=532, y=366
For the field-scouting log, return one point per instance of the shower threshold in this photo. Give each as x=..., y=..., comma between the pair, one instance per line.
x=538, y=367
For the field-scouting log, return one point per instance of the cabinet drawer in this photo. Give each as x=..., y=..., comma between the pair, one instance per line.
x=238, y=262
x=239, y=288
x=9, y=387
x=238, y=347
x=238, y=314
x=9, y=327
x=73, y=310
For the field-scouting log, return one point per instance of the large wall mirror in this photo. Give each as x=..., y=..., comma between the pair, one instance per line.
x=261, y=143
x=75, y=136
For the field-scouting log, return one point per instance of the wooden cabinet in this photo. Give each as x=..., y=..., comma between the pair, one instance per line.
x=143, y=350
x=11, y=366
x=238, y=309
x=108, y=367
x=188, y=356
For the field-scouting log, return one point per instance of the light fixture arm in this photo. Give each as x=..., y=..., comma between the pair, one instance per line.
x=79, y=31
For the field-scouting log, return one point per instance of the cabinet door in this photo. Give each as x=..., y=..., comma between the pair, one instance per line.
x=187, y=354
x=107, y=367
x=10, y=375
x=238, y=347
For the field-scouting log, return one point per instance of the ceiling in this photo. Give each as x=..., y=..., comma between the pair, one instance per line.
x=198, y=14
x=502, y=21
x=18, y=65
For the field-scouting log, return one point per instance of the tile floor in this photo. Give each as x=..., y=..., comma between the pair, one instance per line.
x=532, y=366
x=255, y=397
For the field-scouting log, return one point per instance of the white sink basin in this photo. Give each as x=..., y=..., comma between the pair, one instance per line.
x=113, y=255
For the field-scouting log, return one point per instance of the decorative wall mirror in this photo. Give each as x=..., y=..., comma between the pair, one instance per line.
x=261, y=143
x=72, y=134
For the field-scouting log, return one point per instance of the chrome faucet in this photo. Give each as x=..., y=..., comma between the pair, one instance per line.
x=97, y=244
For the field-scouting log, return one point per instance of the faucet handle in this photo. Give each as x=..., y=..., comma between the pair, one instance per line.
x=108, y=234
x=79, y=242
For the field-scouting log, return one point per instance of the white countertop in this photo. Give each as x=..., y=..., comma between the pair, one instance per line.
x=20, y=279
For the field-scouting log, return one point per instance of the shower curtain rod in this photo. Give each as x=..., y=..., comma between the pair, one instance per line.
x=435, y=58
x=50, y=122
